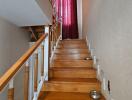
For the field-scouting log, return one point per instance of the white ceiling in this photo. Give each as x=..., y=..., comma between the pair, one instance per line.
x=23, y=12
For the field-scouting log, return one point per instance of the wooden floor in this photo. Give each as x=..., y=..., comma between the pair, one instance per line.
x=71, y=77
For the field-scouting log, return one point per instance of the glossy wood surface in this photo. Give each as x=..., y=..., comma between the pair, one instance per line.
x=65, y=96
x=73, y=63
x=71, y=56
x=71, y=51
x=59, y=72
x=71, y=76
x=72, y=85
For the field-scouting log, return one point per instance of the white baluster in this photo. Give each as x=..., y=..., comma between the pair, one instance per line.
x=11, y=84
x=89, y=46
x=46, y=53
x=95, y=60
x=92, y=53
x=11, y=90
x=98, y=72
x=26, y=81
x=31, y=77
x=42, y=61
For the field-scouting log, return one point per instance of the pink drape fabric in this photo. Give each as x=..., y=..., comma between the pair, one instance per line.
x=68, y=10
x=58, y=8
x=69, y=21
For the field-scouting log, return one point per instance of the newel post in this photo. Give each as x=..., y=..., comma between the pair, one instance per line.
x=46, y=53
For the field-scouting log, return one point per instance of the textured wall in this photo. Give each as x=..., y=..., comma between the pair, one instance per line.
x=13, y=43
x=85, y=14
x=46, y=8
x=25, y=12
x=110, y=34
x=79, y=16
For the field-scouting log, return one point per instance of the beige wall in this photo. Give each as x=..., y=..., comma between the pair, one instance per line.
x=85, y=12
x=79, y=16
x=13, y=43
x=110, y=34
x=26, y=12
x=46, y=7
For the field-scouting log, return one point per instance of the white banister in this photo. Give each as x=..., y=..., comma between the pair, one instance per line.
x=98, y=72
x=11, y=90
x=94, y=60
x=39, y=63
x=42, y=59
x=26, y=80
x=31, y=79
x=36, y=64
x=46, y=54
x=11, y=84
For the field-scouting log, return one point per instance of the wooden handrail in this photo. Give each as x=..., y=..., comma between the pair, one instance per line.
x=14, y=68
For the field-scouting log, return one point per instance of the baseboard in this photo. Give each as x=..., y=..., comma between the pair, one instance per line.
x=107, y=95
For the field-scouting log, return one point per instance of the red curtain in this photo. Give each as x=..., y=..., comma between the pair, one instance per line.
x=69, y=19
x=58, y=8
x=67, y=9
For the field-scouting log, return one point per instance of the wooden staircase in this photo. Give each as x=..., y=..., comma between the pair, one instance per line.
x=70, y=75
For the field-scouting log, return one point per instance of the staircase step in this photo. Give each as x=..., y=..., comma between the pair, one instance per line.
x=69, y=71
x=65, y=96
x=71, y=56
x=68, y=46
x=72, y=51
x=73, y=41
x=73, y=72
x=72, y=85
x=73, y=63
x=72, y=44
x=92, y=80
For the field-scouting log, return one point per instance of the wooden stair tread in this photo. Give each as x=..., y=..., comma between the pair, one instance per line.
x=70, y=47
x=65, y=96
x=65, y=86
x=72, y=68
x=89, y=80
x=74, y=60
x=69, y=72
x=73, y=46
x=72, y=51
x=72, y=72
x=73, y=63
x=73, y=43
x=71, y=57
x=73, y=40
x=72, y=54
